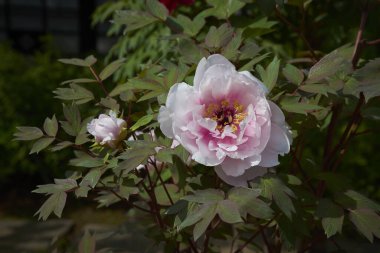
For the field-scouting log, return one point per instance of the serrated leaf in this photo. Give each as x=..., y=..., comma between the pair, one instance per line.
x=111, y=68
x=202, y=225
x=76, y=93
x=367, y=222
x=219, y=37
x=142, y=122
x=86, y=162
x=133, y=19
x=332, y=217
x=27, y=133
x=205, y=196
x=157, y=9
x=79, y=80
x=41, y=144
x=195, y=215
x=92, y=178
x=51, y=126
x=228, y=211
x=61, y=146
x=55, y=203
x=88, y=62
x=292, y=105
x=150, y=95
x=274, y=188
x=270, y=74
x=328, y=66
x=293, y=74
x=317, y=89
x=223, y=9
x=191, y=27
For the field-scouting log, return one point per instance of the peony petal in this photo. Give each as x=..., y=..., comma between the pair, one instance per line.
x=166, y=122
x=243, y=179
x=205, y=64
x=237, y=167
x=269, y=159
x=278, y=116
x=256, y=81
x=279, y=141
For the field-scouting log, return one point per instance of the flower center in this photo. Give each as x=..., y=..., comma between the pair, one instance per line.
x=225, y=114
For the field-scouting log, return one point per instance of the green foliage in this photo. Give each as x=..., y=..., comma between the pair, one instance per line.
x=321, y=89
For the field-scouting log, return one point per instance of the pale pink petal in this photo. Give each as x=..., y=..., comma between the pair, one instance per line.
x=279, y=140
x=241, y=180
x=204, y=64
x=237, y=167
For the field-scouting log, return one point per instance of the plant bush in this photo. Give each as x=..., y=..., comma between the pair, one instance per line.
x=200, y=161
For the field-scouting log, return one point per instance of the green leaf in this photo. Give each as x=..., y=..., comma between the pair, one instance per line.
x=317, y=89
x=157, y=9
x=41, y=144
x=161, y=196
x=86, y=162
x=223, y=9
x=219, y=37
x=270, y=74
x=249, y=65
x=329, y=65
x=367, y=222
x=55, y=203
x=292, y=105
x=228, y=211
x=25, y=133
x=133, y=19
x=332, y=217
x=201, y=226
x=76, y=93
x=111, y=68
x=87, y=244
x=205, y=196
x=61, y=146
x=195, y=215
x=274, y=188
x=191, y=27
x=61, y=185
x=150, y=95
x=79, y=80
x=368, y=79
x=51, y=126
x=293, y=74
x=142, y=122
x=92, y=178
x=88, y=62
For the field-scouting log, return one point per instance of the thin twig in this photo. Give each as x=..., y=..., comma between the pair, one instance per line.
x=240, y=249
x=126, y=200
x=161, y=180
x=100, y=82
x=266, y=241
x=298, y=31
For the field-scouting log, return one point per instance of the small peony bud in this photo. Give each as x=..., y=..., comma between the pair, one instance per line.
x=108, y=129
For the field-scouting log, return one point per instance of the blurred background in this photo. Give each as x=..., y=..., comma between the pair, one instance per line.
x=35, y=33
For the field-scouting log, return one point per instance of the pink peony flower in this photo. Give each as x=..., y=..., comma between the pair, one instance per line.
x=225, y=120
x=107, y=129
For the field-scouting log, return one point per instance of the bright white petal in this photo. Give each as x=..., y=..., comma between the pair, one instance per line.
x=204, y=64
x=166, y=122
x=255, y=80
